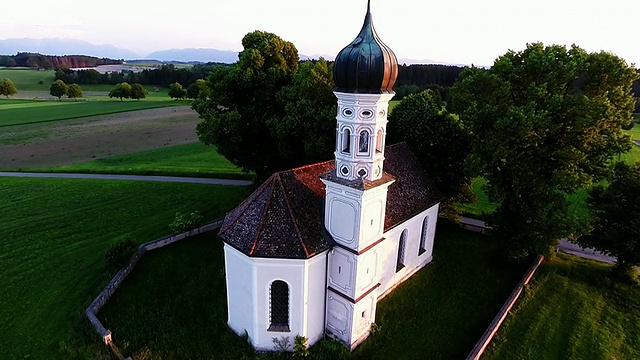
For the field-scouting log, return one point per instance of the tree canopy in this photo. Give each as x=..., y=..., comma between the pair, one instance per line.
x=196, y=88
x=543, y=122
x=74, y=91
x=260, y=111
x=121, y=91
x=176, y=91
x=7, y=88
x=58, y=89
x=616, y=217
x=138, y=92
x=438, y=140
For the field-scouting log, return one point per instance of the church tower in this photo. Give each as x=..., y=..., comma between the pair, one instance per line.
x=356, y=191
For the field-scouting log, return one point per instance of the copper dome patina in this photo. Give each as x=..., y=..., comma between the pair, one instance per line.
x=366, y=65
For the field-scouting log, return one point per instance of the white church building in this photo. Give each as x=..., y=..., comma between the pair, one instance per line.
x=313, y=249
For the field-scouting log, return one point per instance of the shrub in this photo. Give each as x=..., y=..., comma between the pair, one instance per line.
x=184, y=222
x=121, y=252
x=300, y=347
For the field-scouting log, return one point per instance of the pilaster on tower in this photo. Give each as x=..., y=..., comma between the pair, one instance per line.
x=356, y=191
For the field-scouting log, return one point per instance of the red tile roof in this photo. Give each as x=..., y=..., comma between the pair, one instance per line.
x=284, y=217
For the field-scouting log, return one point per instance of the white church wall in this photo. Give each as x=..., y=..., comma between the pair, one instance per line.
x=307, y=283
x=316, y=285
x=414, y=258
x=240, y=297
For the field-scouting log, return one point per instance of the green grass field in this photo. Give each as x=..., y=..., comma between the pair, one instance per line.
x=55, y=233
x=173, y=305
x=194, y=159
x=29, y=80
x=573, y=309
x=16, y=112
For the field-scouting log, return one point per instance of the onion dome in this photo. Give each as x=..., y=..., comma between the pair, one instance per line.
x=366, y=65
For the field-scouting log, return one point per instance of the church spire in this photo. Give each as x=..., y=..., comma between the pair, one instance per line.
x=364, y=72
x=367, y=65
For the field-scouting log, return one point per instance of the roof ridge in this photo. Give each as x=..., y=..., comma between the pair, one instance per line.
x=293, y=218
x=264, y=214
x=308, y=166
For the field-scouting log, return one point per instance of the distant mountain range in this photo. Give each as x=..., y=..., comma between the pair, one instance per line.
x=79, y=47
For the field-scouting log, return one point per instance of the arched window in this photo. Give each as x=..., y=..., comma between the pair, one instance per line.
x=279, y=306
x=423, y=236
x=379, y=140
x=402, y=244
x=363, y=146
x=346, y=141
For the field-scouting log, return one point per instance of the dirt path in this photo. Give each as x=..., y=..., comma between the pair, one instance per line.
x=76, y=140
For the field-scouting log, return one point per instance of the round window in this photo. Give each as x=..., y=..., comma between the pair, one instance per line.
x=347, y=112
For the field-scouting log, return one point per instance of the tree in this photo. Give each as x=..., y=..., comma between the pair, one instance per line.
x=7, y=88
x=306, y=133
x=138, y=92
x=196, y=88
x=616, y=218
x=74, y=91
x=243, y=98
x=58, y=89
x=439, y=141
x=544, y=122
x=176, y=91
x=122, y=91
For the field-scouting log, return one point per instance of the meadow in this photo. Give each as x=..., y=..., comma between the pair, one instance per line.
x=195, y=159
x=20, y=112
x=55, y=233
x=35, y=84
x=573, y=309
x=173, y=305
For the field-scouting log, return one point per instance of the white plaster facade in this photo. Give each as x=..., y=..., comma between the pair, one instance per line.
x=248, y=300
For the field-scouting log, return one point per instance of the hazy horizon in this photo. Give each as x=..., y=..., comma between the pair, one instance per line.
x=458, y=31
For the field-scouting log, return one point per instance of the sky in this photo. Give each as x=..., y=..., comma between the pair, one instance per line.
x=451, y=31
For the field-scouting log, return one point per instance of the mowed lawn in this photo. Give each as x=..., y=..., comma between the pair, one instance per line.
x=194, y=159
x=17, y=112
x=573, y=309
x=53, y=237
x=173, y=305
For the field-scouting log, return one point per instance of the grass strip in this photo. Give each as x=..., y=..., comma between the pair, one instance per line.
x=54, y=234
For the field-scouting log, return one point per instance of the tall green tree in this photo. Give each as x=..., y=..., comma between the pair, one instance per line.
x=440, y=143
x=176, y=91
x=58, y=89
x=138, y=92
x=7, y=88
x=196, y=88
x=616, y=218
x=543, y=122
x=243, y=100
x=121, y=91
x=74, y=91
x=306, y=133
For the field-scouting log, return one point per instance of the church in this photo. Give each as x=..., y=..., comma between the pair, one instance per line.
x=313, y=249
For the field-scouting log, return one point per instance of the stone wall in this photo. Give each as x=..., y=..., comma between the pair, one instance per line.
x=102, y=298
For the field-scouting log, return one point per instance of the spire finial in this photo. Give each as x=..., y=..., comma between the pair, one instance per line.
x=368, y=6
